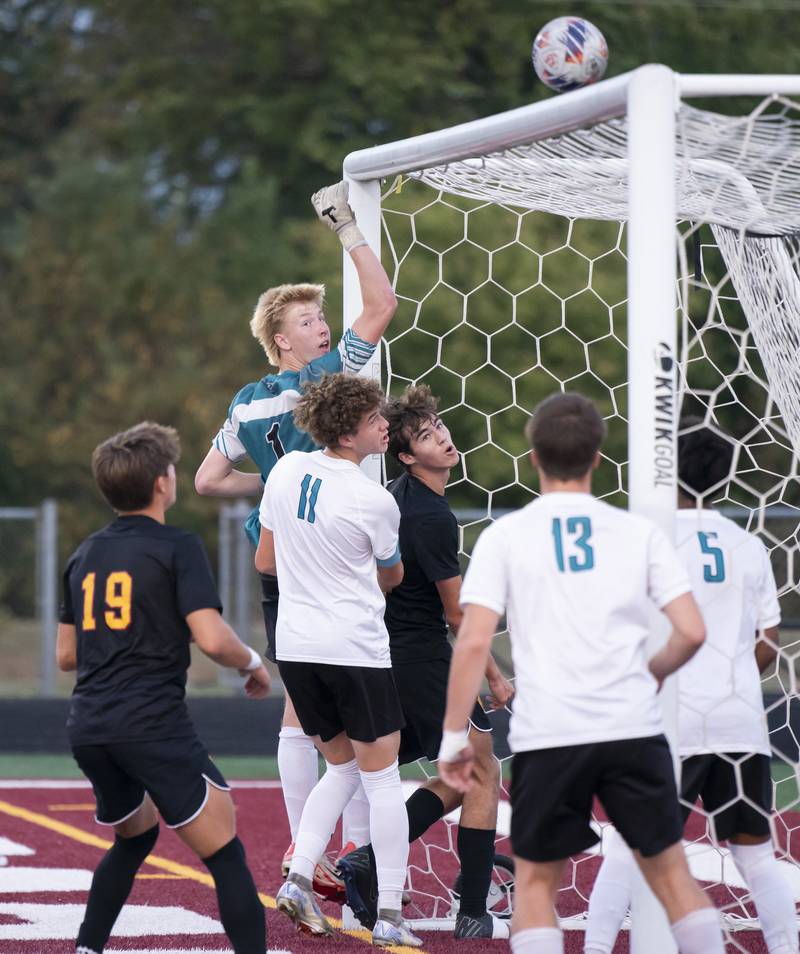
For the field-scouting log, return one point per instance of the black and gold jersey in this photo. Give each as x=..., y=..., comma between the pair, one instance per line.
x=128, y=590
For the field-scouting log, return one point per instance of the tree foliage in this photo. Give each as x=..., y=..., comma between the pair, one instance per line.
x=156, y=164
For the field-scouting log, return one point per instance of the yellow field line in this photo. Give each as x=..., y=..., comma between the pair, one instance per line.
x=72, y=807
x=173, y=867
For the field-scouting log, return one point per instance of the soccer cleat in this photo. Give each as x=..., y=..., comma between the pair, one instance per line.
x=301, y=906
x=328, y=883
x=484, y=927
x=361, y=884
x=387, y=934
x=346, y=849
x=286, y=863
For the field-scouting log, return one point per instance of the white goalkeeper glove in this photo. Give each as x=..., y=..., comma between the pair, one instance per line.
x=333, y=209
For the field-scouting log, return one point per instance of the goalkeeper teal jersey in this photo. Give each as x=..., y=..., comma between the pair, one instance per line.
x=260, y=424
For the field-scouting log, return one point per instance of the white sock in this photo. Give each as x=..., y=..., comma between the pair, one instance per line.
x=699, y=932
x=610, y=900
x=322, y=810
x=771, y=895
x=388, y=825
x=298, y=769
x=538, y=941
x=355, y=819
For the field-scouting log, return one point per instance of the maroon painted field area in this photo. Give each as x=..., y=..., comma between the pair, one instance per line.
x=172, y=908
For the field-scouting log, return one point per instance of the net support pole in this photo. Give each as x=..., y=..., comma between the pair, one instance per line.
x=47, y=549
x=652, y=397
x=365, y=201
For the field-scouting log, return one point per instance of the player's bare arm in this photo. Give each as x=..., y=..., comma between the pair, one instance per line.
x=66, y=647
x=502, y=691
x=265, y=552
x=217, y=477
x=767, y=646
x=467, y=669
x=390, y=576
x=220, y=643
x=378, y=299
x=687, y=636
x=450, y=593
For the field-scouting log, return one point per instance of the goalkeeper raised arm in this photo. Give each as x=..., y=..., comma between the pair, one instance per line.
x=290, y=324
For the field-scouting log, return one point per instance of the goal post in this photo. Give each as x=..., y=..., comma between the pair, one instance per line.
x=679, y=225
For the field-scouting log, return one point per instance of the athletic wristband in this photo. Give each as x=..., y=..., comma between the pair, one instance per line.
x=452, y=745
x=255, y=660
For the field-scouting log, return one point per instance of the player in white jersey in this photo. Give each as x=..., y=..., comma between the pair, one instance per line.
x=331, y=534
x=290, y=324
x=722, y=736
x=576, y=580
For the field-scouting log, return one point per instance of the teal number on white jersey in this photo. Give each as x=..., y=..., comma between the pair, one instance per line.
x=309, y=491
x=578, y=535
x=713, y=571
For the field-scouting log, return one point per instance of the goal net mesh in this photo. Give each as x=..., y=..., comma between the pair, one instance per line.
x=510, y=271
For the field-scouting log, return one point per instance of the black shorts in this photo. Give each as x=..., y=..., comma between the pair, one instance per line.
x=422, y=687
x=360, y=701
x=736, y=790
x=269, y=607
x=174, y=772
x=552, y=792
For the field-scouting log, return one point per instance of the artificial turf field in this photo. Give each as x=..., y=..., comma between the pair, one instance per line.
x=52, y=845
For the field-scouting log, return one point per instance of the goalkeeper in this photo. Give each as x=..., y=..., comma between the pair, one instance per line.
x=723, y=741
x=418, y=613
x=291, y=326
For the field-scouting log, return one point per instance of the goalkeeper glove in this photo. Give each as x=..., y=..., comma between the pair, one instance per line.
x=333, y=209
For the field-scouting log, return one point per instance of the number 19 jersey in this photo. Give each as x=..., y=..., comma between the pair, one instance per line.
x=577, y=580
x=128, y=590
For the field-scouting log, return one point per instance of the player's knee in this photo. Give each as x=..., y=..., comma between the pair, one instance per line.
x=138, y=847
x=487, y=767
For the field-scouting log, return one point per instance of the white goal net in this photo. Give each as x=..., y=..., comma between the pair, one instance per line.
x=511, y=268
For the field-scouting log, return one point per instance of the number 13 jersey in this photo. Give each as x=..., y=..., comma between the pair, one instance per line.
x=577, y=580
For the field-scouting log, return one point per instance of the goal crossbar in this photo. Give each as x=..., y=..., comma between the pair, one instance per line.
x=605, y=100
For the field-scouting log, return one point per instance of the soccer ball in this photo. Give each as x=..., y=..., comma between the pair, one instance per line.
x=569, y=52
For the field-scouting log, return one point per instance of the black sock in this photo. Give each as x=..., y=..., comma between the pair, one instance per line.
x=424, y=807
x=240, y=909
x=111, y=885
x=476, y=851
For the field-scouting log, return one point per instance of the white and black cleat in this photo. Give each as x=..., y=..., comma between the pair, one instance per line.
x=486, y=927
x=301, y=906
x=389, y=934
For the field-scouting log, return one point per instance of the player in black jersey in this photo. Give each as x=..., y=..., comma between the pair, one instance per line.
x=135, y=595
x=418, y=614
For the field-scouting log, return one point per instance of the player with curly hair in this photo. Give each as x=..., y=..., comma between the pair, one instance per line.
x=290, y=324
x=331, y=534
x=419, y=613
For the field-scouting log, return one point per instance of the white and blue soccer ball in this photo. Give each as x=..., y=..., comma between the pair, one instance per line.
x=569, y=52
